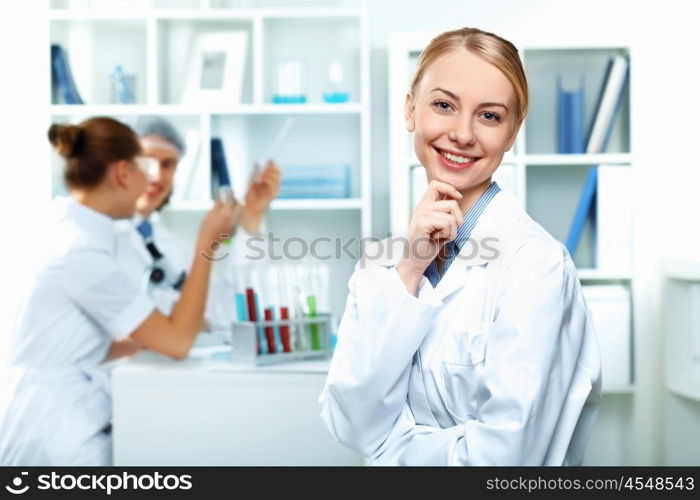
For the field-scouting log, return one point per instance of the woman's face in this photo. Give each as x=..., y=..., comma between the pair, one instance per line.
x=463, y=119
x=161, y=183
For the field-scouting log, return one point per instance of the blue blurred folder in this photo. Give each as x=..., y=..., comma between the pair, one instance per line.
x=61, y=76
x=584, y=211
x=219, y=168
x=315, y=181
x=570, y=119
x=608, y=103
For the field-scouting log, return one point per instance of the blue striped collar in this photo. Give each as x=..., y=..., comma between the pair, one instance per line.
x=463, y=233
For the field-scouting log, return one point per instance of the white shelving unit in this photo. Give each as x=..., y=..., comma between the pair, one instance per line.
x=152, y=40
x=548, y=184
x=682, y=328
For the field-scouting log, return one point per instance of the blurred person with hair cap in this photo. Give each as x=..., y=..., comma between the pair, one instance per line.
x=161, y=141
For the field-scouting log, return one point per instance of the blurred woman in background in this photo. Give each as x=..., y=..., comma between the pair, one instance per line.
x=80, y=309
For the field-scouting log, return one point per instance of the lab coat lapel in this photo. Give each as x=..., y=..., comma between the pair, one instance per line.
x=477, y=250
x=454, y=277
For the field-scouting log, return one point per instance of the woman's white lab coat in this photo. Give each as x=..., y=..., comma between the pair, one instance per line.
x=55, y=394
x=135, y=260
x=497, y=365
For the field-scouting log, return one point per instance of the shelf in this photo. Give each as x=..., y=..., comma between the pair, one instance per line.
x=98, y=15
x=622, y=389
x=220, y=14
x=121, y=109
x=285, y=109
x=682, y=270
x=155, y=44
x=178, y=109
x=598, y=275
x=318, y=204
x=311, y=204
x=582, y=159
x=684, y=389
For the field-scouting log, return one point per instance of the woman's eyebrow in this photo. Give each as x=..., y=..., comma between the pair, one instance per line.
x=456, y=98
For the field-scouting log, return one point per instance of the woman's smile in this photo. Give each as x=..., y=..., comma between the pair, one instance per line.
x=455, y=160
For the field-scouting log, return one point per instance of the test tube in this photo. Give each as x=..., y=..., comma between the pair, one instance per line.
x=301, y=340
x=239, y=294
x=284, y=311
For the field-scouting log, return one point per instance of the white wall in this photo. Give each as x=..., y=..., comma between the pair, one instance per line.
x=24, y=120
x=665, y=110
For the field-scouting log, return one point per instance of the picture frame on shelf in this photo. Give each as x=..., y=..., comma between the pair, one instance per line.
x=216, y=70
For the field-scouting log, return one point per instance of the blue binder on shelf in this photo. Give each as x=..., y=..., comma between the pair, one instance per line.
x=219, y=168
x=584, y=211
x=570, y=118
x=607, y=108
x=61, y=76
x=315, y=181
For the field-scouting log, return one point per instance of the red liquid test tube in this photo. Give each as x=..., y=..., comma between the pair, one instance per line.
x=284, y=330
x=252, y=313
x=269, y=332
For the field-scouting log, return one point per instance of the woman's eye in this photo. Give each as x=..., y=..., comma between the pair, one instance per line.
x=443, y=105
x=491, y=117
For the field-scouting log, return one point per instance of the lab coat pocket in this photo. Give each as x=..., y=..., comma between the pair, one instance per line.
x=461, y=372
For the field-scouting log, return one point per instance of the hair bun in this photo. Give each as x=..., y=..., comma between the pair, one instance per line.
x=65, y=138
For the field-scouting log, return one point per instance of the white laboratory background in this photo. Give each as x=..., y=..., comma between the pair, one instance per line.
x=651, y=309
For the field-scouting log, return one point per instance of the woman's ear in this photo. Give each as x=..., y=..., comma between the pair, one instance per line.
x=409, y=112
x=120, y=173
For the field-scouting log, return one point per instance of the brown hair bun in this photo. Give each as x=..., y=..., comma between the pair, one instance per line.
x=65, y=138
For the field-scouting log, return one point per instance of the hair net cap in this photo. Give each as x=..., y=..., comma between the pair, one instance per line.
x=154, y=125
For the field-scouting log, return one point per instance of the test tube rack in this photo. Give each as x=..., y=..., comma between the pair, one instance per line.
x=244, y=341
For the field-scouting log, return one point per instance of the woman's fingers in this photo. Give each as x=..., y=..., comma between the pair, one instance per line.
x=439, y=225
x=438, y=190
x=449, y=207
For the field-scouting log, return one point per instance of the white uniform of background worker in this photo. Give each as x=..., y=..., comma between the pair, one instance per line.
x=161, y=141
x=79, y=309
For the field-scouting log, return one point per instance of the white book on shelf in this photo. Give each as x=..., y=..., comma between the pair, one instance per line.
x=608, y=104
x=186, y=185
x=614, y=219
x=610, y=310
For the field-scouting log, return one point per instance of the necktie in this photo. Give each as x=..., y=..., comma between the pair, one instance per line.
x=145, y=229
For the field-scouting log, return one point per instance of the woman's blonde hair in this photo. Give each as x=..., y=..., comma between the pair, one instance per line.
x=491, y=48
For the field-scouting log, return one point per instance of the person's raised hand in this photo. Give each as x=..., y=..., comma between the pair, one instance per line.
x=435, y=220
x=219, y=223
x=262, y=190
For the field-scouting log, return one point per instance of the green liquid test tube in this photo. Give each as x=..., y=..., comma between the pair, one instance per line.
x=314, y=327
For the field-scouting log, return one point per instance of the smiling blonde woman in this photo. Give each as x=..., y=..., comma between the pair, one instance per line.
x=448, y=354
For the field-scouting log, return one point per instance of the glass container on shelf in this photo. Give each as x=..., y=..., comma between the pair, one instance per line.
x=123, y=86
x=337, y=90
x=290, y=84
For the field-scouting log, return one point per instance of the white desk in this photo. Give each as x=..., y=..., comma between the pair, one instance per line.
x=203, y=412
